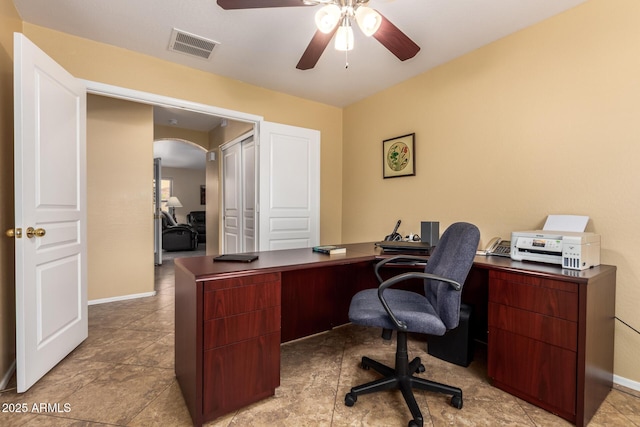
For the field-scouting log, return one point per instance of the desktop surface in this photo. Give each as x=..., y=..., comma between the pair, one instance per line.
x=293, y=293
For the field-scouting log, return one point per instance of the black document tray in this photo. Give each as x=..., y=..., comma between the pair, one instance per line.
x=422, y=248
x=236, y=258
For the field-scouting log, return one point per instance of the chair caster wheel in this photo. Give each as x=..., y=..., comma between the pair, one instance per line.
x=413, y=423
x=364, y=365
x=420, y=369
x=456, y=402
x=350, y=399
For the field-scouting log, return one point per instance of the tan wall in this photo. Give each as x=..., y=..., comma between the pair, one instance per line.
x=107, y=64
x=194, y=136
x=212, y=208
x=9, y=22
x=186, y=187
x=542, y=122
x=120, y=197
x=234, y=129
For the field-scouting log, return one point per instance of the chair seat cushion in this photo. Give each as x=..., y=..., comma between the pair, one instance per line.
x=410, y=307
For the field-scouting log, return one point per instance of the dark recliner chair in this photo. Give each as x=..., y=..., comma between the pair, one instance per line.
x=433, y=313
x=177, y=237
x=197, y=219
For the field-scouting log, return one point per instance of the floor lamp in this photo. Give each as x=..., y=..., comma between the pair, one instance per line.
x=172, y=204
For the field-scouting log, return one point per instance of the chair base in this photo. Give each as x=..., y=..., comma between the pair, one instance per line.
x=402, y=378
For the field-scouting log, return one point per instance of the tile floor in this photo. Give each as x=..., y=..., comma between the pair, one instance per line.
x=122, y=375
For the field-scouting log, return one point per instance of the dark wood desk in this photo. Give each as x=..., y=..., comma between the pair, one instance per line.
x=549, y=331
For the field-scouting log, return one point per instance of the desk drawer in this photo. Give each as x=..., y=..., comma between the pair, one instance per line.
x=540, y=373
x=527, y=279
x=243, y=299
x=552, y=330
x=538, y=298
x=239, y=374
x=232, y=329
x=234, y=282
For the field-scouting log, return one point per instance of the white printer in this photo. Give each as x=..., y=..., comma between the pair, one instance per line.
x=572, y=250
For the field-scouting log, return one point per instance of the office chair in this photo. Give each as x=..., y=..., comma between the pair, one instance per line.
x=435, y=312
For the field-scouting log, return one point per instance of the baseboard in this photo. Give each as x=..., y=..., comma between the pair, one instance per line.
x=121, y=298
x=7, y=376
x=625, y=382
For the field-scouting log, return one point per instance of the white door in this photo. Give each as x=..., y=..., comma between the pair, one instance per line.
x=232, y=198
x=289, y=209
x=239, y=195
x=50, y=197
x=248, y=195
x=157, y=207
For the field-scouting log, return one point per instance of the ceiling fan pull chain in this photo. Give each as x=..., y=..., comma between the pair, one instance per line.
x=346, y=59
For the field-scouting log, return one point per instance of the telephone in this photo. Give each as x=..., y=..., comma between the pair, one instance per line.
x=394, y=236
x=498, y=247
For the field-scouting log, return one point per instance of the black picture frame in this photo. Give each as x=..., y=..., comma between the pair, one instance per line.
x=398, y=156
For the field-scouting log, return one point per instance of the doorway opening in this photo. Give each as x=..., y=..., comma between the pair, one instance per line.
x=179, y=199
x=192, y=117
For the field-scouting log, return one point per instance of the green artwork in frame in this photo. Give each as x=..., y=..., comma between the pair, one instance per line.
x=398, y=156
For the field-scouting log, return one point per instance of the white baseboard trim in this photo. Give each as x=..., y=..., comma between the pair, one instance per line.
x=121, y=298
x=7, y=376
x=625, y=382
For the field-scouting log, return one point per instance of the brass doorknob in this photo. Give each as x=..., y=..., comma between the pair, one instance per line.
x=14, y=232
x=37, y=232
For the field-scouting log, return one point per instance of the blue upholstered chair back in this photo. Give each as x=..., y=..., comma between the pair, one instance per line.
x=452, y=258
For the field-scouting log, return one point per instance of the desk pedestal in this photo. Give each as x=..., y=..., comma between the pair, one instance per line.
x=551, y=341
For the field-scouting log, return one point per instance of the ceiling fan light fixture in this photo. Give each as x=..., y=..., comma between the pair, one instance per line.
x=344, y=37
x=327, y=18
x=368, y=20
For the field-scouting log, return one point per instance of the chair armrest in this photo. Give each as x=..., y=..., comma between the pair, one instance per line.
x=179, y=227
x=407, y=276
x=397, y=258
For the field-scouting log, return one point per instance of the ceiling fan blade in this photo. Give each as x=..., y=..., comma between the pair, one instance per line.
x=395, y=40
x=251, y=4
x=314, y=51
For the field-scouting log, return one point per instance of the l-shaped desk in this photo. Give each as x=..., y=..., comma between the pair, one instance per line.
x=549, y=331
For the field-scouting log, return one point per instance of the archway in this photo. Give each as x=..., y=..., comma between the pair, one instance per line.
x=179, y=182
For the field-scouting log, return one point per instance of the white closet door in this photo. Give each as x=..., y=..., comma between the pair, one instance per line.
x=248, y=162
x=232, y=198
x=289, y=209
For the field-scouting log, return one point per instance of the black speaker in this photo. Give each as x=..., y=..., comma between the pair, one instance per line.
x=430, y=232
x=455, y=346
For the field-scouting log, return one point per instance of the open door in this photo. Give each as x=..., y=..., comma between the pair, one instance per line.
x=50, y=212
x=289, y=201
x=157, y=207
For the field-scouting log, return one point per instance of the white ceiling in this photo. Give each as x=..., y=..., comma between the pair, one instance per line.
x=165, y=116
x=179, y=154
x=263, y=46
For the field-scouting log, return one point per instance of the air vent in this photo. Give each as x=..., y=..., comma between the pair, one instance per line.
x=190, y=44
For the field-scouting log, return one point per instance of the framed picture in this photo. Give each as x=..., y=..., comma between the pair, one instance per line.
x=203, y=195
x=398, y=156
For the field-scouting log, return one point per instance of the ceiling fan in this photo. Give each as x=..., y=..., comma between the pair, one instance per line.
x=335, y=18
